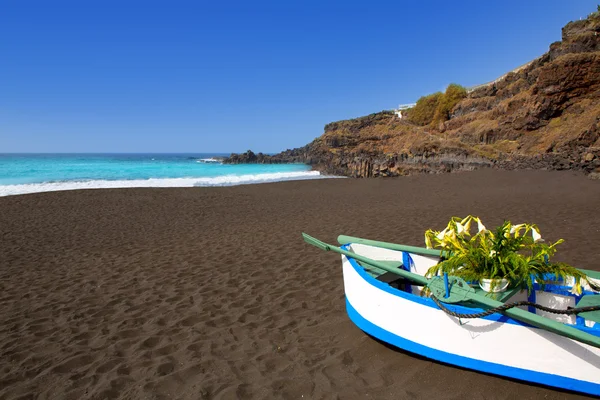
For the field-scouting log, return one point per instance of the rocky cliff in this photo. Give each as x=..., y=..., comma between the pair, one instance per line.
x=545, y=115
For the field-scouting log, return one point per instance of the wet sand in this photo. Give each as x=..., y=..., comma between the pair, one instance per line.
x=211, y=293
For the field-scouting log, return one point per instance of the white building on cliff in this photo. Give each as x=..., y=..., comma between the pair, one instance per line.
x=403, y=107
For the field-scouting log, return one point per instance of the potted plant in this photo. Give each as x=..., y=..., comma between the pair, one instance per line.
x=509, y=256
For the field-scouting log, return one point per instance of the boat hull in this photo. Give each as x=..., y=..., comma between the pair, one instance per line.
x=495, y=344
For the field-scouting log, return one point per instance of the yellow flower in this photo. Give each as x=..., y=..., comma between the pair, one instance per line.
x=516, y=229
x=535, y=234
x=480, y=226
x=441, y=235
x=466, y=223
x=428, y=242
x=576, y=289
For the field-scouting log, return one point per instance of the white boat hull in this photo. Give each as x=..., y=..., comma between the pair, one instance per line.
x=496, y=344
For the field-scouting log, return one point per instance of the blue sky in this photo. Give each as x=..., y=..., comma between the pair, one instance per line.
x=195, y=76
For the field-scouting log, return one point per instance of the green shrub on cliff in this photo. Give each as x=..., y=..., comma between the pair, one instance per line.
x=422, y=113
x=435, y=108
x=454, y=93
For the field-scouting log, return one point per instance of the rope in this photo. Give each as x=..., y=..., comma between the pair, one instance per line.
x=504, y=307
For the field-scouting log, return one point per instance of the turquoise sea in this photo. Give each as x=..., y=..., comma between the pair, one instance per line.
x=30, y=173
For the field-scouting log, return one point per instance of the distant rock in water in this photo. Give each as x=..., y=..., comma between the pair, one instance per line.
x=543, y=115
x=249, y=157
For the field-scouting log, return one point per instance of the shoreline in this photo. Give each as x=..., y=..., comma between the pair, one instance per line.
x=217, y=181
x=30, y=173
x=184, y=293
x=221, y=181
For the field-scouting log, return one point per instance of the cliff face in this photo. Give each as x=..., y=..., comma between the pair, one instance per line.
x=546, y=115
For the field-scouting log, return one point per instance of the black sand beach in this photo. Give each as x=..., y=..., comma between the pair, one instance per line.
x=211, y=293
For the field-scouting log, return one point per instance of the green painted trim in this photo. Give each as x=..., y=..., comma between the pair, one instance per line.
x=418, y=279
x=481, y=300
x=590, y=273
x=590, y=300
x=343, y=239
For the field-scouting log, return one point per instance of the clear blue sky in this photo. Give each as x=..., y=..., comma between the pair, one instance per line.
x=195, y=76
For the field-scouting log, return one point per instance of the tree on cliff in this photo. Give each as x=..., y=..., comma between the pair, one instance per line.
x=435, y=108
x=454, y=93
x=422, y=113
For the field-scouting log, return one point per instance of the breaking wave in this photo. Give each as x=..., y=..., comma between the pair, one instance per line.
x=224, y=180
x=209, y=160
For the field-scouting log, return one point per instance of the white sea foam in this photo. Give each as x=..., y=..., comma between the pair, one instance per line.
x=209, y=161
x=226, y=180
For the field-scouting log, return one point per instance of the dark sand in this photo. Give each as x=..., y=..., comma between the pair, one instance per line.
x=211, y=292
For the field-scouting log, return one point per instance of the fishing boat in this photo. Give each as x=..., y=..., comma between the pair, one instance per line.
x=512, y=333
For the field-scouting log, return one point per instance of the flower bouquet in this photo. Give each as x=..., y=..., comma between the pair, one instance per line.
x=509, y=256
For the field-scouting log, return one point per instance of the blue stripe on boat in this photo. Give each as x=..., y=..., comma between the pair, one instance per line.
x=470, y=363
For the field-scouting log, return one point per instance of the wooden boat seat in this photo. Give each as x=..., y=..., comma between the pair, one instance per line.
x=389, y=277
x=499, y=296
x=394, y=280
x=381, y=274
x=590, y=300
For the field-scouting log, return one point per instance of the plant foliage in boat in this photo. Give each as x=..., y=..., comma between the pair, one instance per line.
x=516, y=253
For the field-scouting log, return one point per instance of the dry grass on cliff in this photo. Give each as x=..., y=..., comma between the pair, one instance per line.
x=512, y=104
x=478, y=130
x=567, y=127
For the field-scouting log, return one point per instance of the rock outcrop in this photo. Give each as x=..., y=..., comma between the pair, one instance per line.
x=545, y=115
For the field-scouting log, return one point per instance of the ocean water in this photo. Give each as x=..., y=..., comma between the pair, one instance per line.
x=30, y=173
